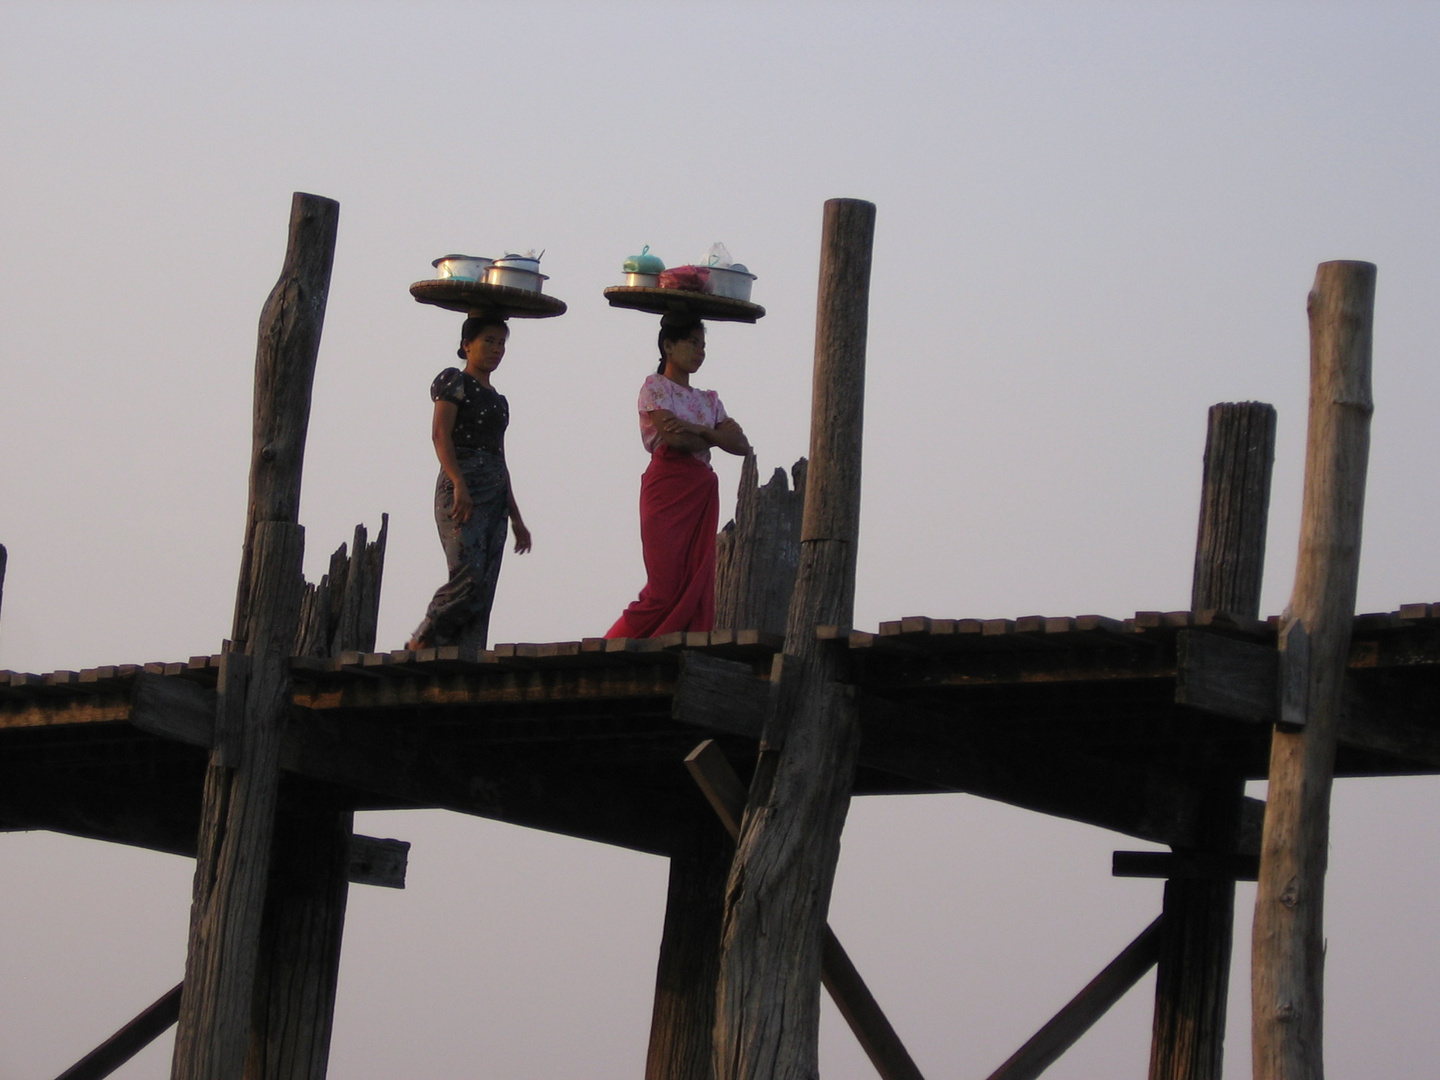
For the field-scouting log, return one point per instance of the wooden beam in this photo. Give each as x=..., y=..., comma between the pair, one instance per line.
x=726, y=795
x=720, y=695
x=1239, y=679
x=1288, y=950
x=1226, y=676
x=1079, y=1016
x=128, y=1041
x=1142, y=802
x=376, y=861
x=905, y=740
x=1187, y=865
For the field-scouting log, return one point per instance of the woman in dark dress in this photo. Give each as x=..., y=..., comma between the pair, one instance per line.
x=473, y=499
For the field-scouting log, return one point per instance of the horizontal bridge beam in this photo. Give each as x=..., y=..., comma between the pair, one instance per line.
x=1240, y=680
x=924, y=745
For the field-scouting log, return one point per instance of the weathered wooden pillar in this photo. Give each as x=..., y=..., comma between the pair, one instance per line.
x=1193, y=974
x=684, y=1013
x=233, y=853
x=4, y=558
x=758, y=554
x=768, y=1002
x=1288, y=949
x=299, y=966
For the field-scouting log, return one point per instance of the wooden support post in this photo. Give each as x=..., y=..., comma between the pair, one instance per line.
x=299, y=964
x=1193, y=976
x=758, y=554
x=768, y=1003
x=304, y=919
x=684, y=1012
x=4, y=558
x=1288, y=950
x=241, y=783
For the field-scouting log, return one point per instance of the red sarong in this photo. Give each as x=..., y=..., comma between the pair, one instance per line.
x=679, y=512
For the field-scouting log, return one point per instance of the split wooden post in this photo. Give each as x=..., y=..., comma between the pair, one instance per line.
x=1288, y=951
x=1193, y=974
x=768, y=1000
x=757, y=555
x=233, y=853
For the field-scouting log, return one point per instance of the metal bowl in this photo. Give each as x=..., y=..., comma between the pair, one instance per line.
x=461, y=267
x=515, y=278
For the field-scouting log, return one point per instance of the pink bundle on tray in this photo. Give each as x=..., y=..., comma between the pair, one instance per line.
x=690, y=278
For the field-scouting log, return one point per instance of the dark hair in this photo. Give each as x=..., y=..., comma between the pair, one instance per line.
x=675, y=327
x=474, y=326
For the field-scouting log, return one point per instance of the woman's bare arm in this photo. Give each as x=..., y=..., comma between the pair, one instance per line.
x=728, y=435
x=442, y=434
x=679, y=434
x=517, y=524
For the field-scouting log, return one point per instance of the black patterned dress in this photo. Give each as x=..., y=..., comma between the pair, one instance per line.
x=459, y=613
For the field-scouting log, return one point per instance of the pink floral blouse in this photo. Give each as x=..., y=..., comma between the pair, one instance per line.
x=686, y=402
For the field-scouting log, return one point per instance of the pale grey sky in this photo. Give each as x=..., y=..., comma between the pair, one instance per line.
x=1094, y=221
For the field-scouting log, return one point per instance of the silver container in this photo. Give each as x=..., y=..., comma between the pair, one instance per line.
x=515, y=278
x=642, y=281
x=461, y=267
x=731, y=282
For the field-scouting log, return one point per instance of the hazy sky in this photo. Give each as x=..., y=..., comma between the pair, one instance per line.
x=1094, y=221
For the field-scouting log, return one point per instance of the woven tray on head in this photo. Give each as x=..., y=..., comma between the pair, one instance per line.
x=683, y=302
x=475, y=298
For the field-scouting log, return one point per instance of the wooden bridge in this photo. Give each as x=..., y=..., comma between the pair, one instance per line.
x=255, y=760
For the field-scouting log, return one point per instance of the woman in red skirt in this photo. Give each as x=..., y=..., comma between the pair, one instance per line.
x=679, y=496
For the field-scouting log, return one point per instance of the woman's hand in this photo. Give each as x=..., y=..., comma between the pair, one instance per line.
x=517, y=523
x=522, y=536
x=464, y=505
x=730, y=437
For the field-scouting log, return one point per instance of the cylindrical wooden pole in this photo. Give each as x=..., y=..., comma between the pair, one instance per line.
x=1193, y=975
x=683, y=1018
x=768, y=1001
x=1288, y=946
x=237, y=817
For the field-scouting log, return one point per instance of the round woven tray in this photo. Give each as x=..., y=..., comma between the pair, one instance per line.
x=683, y=302
x=475, y=298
